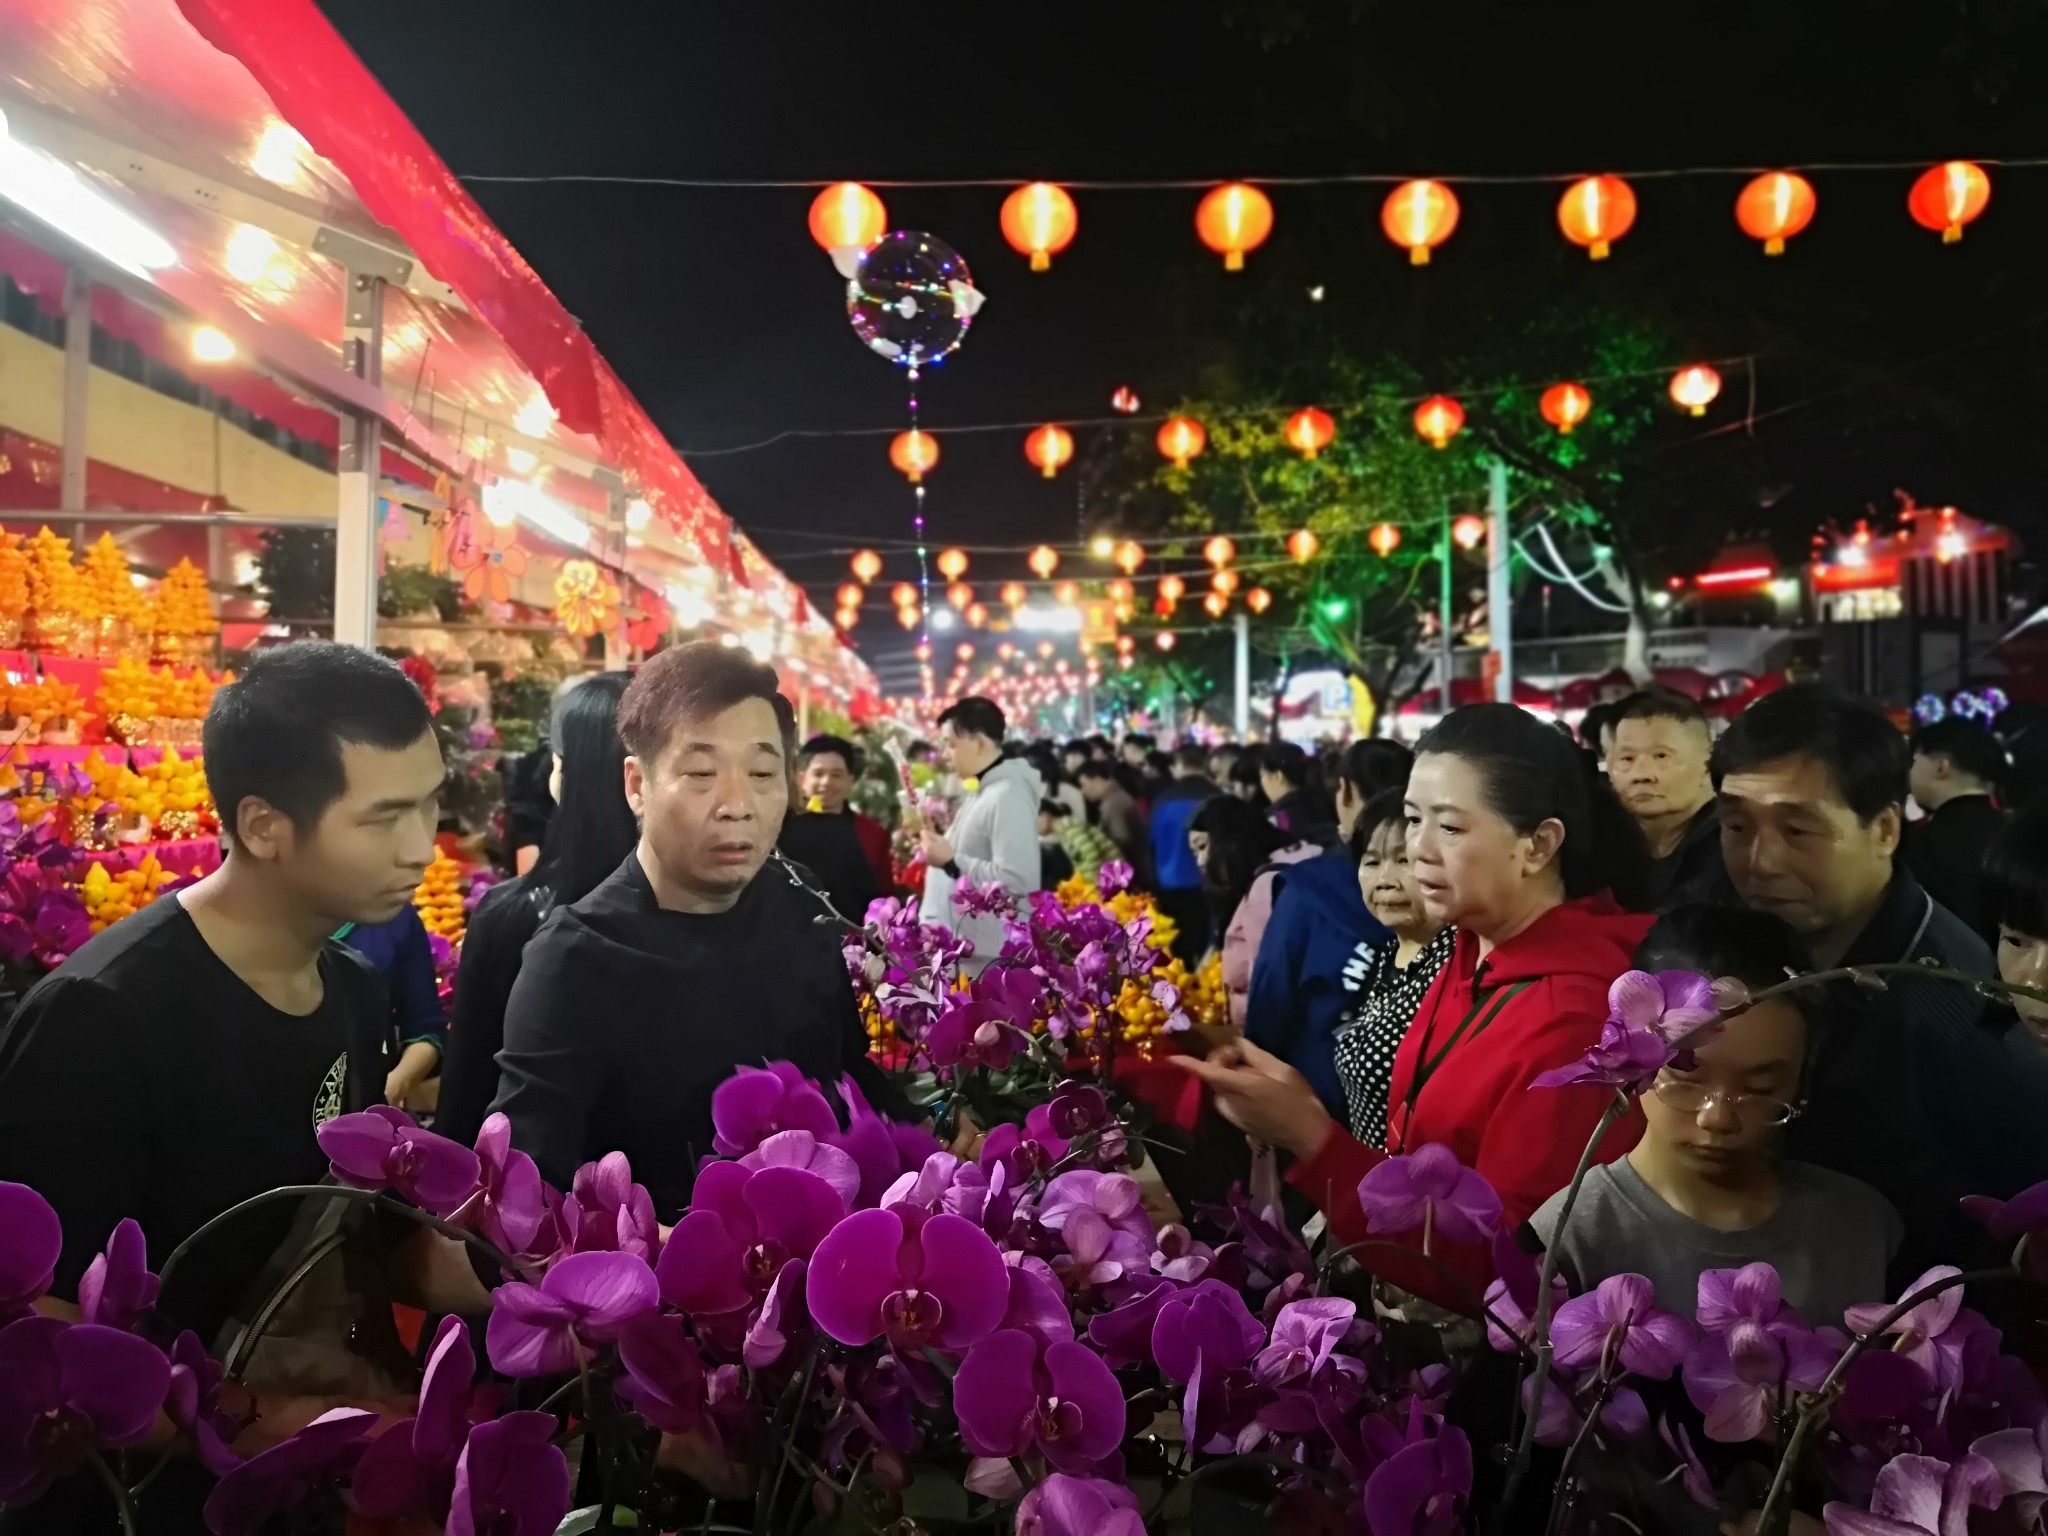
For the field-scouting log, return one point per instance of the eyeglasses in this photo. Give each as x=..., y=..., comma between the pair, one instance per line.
x=1755, y=1109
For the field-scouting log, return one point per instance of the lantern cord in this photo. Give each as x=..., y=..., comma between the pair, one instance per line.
x=1202, y=184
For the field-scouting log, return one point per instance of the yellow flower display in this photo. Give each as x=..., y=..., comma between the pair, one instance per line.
x=13, y=587
x=108, y=583
x=109, y=898
x=439, y=898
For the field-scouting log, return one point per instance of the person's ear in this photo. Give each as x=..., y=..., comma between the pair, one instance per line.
x=1887, y=828
x=262, y=830
x=636, y=786
x=1544, y=845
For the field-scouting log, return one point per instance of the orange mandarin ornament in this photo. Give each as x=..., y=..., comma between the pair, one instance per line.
x=1419, y=216
x=1595, y=212
x=1233, y=219
x=1039, y=221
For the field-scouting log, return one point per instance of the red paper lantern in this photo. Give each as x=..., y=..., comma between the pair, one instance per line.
x=1309, y=431
x=846, y=618
x=1172, y=588
x=1384, y=539
x=851, y=594
x=1225, y=582
x=1258, y=599
x=1303, y=545
x=1129, y=555
x=1044, y=561
x=1232, y=219
x=977, y=615
x=1039, y=221
x=1949, y=196
x=959, y=595
x=1164, y=640
x=952, y=563
x=914, y=453
x=903, y=595
x=1564, y=406
x=1049, y=447
x=1775, y=207
x=1219, y=551
x=1120, y=592
x=907, y=617
x=1067, y=594
x=1595, y=212
x=1013, y=594
x=1439, y=419
x=1419, y=216
x=847, y=217
x=1696, y=388
x=867, y=565
x=1181, y=438
x=1217, y=604
x=1467, y=531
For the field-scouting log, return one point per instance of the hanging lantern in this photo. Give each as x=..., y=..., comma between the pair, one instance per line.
x=1181, y=438
x=1217, y=604
x=1164, y=640
x=977, y=615
x=1258, y=599
x=1384, y=539
x=1595, y=212
x=1419, y=216
x=1439, y=419
x=952, y=563
x=1696, y=388
x=1564, y=406
x=1125, y=401
x=1775, y=207
x=846, y=219
x=907, y=617
x=1129, y=556
x=1044, y=561
x=964, y=651
x=1219, y=551
x=1164, y=606
x=959, y=595
x=903, y=595
x=1303, y=545
x=1067, y=594
x=846, y=618
x=1050, y=447
x=913, y=453
x=924, y=651
x=1120, y=591
x=1039, y=221
x=1232, y=219
x=851, y=594
x=1046, y=649
x=1172, y=588
x=1013, y=594
x=1225, y=582
x=1309, y=431
x=1949, y=196
x=867, y=565
x=1468, y=531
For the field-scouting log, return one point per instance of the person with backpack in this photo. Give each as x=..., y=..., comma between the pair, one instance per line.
x=1176, y=873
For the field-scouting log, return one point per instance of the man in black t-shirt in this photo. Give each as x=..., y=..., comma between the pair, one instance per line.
x=179, y=1063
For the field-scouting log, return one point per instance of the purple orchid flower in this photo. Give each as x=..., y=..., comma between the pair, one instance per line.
x=383, y=1148
x=946, y=1186
x=606, y=1212
x=284, y=1476
x=1204, y=1323
x=117, y=1288
x=742, y=1228
x=1752, y=1294
x=753, y=1104
x=2020, y=1457
x=31, y=1242
x=1305, y=1336
x=512, y=1480
x=585, y=1300
x=881, y=1148
x=916, y=1280
x=1114, y=1197
x=991, y=900
x=664, y=1378
x=1176, y=1255
x=800, y=1149
x=1038, y=1307
x=1015, y=1393
x=67, y=1389
x=1115, y=878
x=192, y=1403
x=971, y=1033
x=1920, y=1496
x=1422, y=1489
x=1511, y=1299
x=1079, y=1506
x=1098, y=1254
x=512, y=1211
x=1431, y=1191
x=1743, y=1378
x=1123, y=1334
x=1021, y=1155
x=2022, y=1218
x=1647, y=1016
x=1620, y=1322
x=409, y=1470
x=1932, y=1336
x=779, y=1316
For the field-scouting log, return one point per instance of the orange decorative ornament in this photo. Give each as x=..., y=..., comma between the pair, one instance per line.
x=959, y=595
x=1310, y=431
x=1258, y=599
x=1595, y=212
x=1949, y=196
x=1225, y=582
x=1419, y=216
x=1039, y=221
x=1217, y=605
x=914, y=453
x=1303, y=545
x=1564, y=406
x=1044, y=561
x=1050, y=447
x=1129, y=556
x=1172, y=589
x=1696, y=388
x=846, y=219
x=952, y=563
x=493, y=557
x=1439, y=419
x=1013, y=594
x=851, y=594
x=977, y=615
x=1468, y=531
x=1232, y=219
x=903, y=595
x=867, y=565
x=1384, y=539
x=1775, y=207
x=1181, y=438
x=1219, y=551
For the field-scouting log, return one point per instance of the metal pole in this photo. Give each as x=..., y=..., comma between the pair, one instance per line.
x=1446, y=667
x=1500, y=596
x=1243, y=718
x=77, y=385
x=360, y=463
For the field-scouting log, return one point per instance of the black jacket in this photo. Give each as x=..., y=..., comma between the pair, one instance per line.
x=1693, y=872
x=1946, y=854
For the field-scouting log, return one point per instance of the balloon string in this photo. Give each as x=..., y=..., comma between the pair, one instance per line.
x=924, y=572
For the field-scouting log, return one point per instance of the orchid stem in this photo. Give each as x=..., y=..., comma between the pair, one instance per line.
x=124, y=1506
x=1451, y=1279
x=1561, y=1496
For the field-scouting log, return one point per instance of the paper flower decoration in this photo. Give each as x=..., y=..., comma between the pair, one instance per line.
x=586, y=601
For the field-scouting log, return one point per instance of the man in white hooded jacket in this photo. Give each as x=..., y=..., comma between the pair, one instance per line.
x=994, y=838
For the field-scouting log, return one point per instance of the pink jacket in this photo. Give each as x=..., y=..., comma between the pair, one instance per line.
x=1248, y=927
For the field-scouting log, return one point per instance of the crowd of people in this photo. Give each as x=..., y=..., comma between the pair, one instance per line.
x=1408, y=939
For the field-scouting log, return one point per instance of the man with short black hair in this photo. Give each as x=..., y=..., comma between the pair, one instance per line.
x=1117, y=813
x=1176, y=875
x=1957, y=767
x=1916, y=1089
x=635, y=1003
x=847, y=851
x=993, y=839
x=1658, y=765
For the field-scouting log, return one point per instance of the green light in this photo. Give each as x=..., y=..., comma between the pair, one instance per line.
x=1335, y=608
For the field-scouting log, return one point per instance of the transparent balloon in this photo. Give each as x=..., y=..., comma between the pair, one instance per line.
x=912, y=299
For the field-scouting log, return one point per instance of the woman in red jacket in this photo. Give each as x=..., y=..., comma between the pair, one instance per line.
x=1516, y=845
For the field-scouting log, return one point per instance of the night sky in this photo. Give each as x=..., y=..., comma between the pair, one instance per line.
x=730, y=326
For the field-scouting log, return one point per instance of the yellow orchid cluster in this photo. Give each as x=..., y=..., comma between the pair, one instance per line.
x=170, y=794
x=109, y=898
x=139, y=701
x=439, y=898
